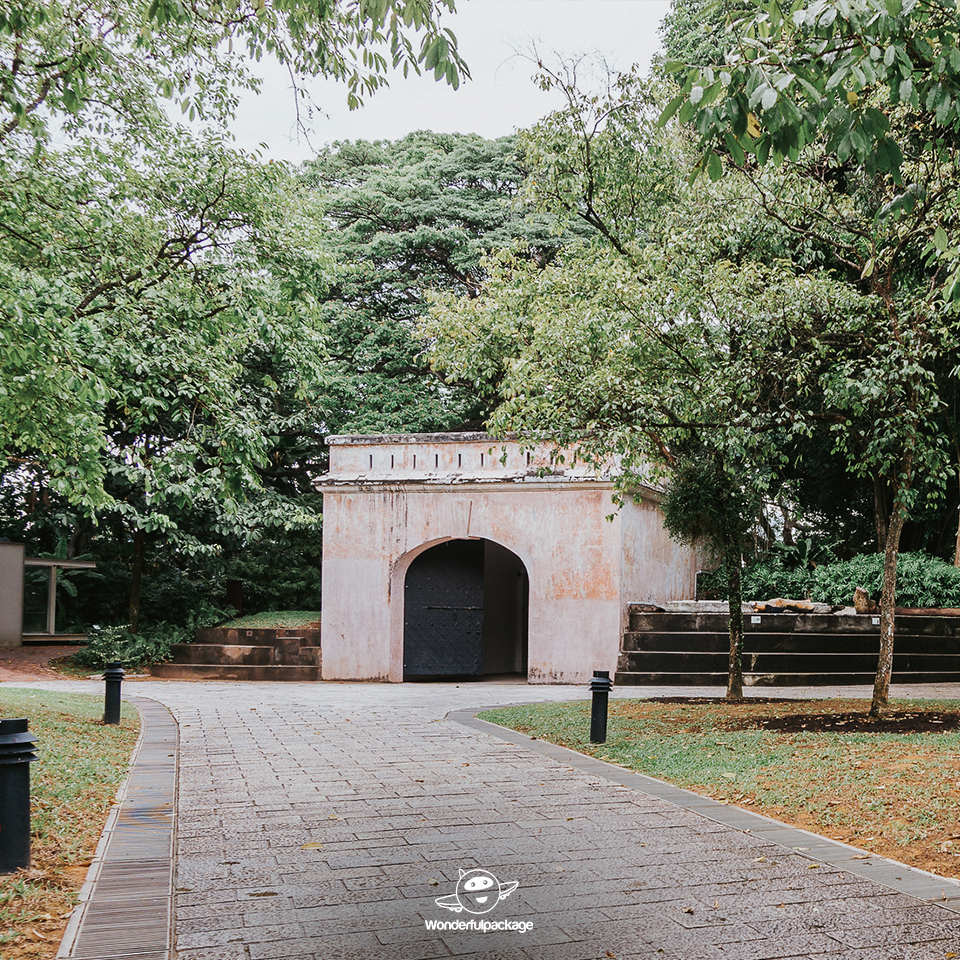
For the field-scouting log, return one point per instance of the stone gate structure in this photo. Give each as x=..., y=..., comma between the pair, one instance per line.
x=460, y=555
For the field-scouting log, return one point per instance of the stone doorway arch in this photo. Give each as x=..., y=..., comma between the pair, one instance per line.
x=465, y=611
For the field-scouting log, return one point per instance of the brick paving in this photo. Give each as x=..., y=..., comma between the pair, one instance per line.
x=324, y=820
x=391, y=801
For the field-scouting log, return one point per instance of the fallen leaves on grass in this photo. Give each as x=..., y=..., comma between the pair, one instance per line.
x=822, y=765
x=74, y=782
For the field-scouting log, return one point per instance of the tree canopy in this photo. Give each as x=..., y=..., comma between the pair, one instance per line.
x=730, y=323
x=409, y=219
x=858, y=102
x=162, y=329
x=111, y=63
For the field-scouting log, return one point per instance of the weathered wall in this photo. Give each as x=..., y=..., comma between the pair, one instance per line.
x=570, y=553
x=388, y=499
x=654, y=567
x=11, y=595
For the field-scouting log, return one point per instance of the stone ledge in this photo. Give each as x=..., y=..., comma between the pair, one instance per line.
x=210, y=671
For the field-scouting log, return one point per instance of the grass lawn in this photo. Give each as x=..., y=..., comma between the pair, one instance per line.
x=891, y=788
x=73, y=783
x=276, y=618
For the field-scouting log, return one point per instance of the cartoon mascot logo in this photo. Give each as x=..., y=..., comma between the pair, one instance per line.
x=478, y=891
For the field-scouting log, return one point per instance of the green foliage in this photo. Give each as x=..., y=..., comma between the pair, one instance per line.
x=832, y=71
x=152, y=644
x=697, y=32
x=181, y=283
x=173, y=588
x=922, y=581
x=154, y=272
x=766, y=580
x=412, y=217
x=762, y=580
x=858, y=101
x=161, y=329
x=109, y=64
x=119, y=645
x=279, y=572
x=707, y=504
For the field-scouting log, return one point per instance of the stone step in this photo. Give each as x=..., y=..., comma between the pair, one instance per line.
x=286, y=652
x=309, y=656
x=53, y=639
x=785, y=649
x=221, y=653
x=783, y=643
x=679, y=661
x=213, y=671
x=258, y=636
x=912, y=623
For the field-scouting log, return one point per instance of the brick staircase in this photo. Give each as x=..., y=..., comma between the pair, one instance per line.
x=239, y=654
x=785, y=649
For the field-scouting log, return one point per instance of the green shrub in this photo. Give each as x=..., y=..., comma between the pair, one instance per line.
x=151, y=645
x=768, y=579
x=922, y=580
x=120, y=645
x=762, y=580
x=836, y=582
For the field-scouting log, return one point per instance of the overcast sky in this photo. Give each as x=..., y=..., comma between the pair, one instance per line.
x=499, y=99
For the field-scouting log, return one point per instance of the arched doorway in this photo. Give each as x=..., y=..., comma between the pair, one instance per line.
x=465, y=612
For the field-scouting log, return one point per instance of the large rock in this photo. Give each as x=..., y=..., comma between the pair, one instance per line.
x=862, y=602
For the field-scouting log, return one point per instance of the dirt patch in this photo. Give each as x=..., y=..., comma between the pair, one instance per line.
x=23, y=664
x=893, y=721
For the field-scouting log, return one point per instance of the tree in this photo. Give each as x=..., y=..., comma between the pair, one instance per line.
x=98, y=73
x=858, y=104
x=161, y=335
x=715, y=327
x=640, y=346
x=179, y=291
x=675, y=358
x=705, y=504
x=836, y=71
x=410, y=218
x=696, y=32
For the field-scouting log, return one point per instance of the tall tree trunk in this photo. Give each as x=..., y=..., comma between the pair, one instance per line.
x=888, y=601
x=956, y=548
x=956, y=551
x=136, y=580
x=735, y=604
x=880, y=518
x=956, y=447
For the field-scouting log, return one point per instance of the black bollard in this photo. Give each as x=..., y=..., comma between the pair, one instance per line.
x=111, y=698
x=600, y=685
x=16, y=755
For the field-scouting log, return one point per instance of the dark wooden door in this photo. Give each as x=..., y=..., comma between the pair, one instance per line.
x=443, y=611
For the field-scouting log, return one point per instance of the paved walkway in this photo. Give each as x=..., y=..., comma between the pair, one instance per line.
x=325, y=820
